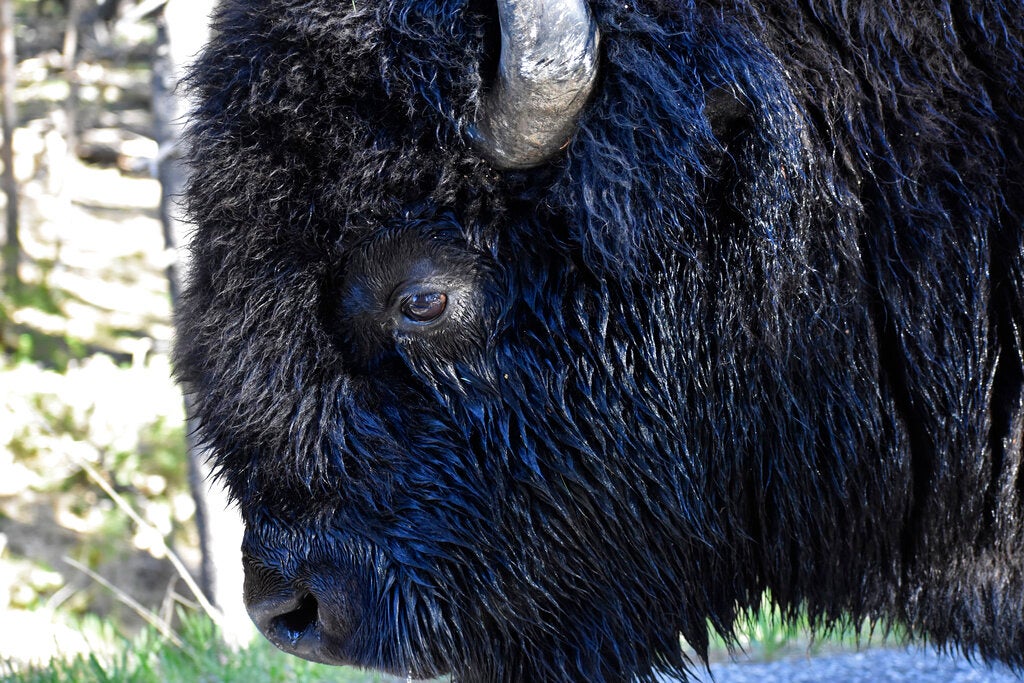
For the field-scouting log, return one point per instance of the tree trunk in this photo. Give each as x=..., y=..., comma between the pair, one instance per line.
x=69, y=59
x=8, y=81
x=181, y=31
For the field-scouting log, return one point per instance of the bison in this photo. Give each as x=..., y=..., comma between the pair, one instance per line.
x=532, y=336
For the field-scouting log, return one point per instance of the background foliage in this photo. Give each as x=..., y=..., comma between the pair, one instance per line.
x=85, y=334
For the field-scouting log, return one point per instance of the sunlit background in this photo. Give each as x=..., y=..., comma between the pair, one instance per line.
x=94, y=490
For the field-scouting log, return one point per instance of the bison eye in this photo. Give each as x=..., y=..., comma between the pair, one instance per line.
x=424, y=307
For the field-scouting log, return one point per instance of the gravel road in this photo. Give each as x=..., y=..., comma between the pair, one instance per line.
x=870, y=666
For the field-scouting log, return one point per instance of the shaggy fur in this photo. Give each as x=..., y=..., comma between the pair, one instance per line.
x=757, y=328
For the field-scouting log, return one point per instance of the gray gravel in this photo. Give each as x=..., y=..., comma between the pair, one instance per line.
x=869, y=666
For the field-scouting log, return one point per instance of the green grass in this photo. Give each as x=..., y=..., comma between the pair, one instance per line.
x=764, y=635
x=203, y=658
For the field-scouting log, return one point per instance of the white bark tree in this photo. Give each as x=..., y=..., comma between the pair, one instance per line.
x=183, y=29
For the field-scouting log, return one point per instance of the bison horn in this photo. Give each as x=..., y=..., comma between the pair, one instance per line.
x=547, y=70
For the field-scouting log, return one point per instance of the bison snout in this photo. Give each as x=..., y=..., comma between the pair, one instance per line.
x=295, y=618
x=292, y=624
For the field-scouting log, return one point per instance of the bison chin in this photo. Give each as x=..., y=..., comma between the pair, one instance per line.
x=350, y=610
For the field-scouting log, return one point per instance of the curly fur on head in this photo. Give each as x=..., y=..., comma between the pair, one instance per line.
x=758, y=328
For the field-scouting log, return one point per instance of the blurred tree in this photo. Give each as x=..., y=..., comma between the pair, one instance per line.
x=69, y=59
x=8, y=80
x=182, y=28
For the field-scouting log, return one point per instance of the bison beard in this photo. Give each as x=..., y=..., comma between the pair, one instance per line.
x=757, y=327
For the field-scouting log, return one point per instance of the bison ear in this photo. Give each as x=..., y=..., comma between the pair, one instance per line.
x=727, y=113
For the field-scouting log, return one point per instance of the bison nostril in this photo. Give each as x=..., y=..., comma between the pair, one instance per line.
x=307, y=618
x=294, y=624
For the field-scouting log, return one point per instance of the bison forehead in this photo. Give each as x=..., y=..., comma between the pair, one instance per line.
x=363, y=128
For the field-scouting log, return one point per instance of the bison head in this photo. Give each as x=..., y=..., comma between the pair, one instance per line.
x=520, y=368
